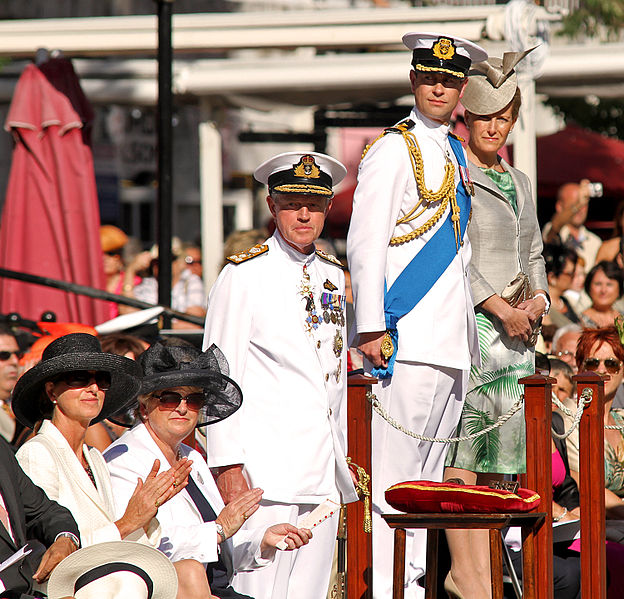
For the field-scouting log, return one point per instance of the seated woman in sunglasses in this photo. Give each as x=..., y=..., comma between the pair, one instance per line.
x=75, y=385
x=601, y=351
x=181, y=390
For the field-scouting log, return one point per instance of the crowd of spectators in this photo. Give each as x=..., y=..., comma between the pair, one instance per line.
x=585, y=287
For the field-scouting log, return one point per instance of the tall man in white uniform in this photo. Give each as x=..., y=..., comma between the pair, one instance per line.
x=409, y=257
x=277, y=312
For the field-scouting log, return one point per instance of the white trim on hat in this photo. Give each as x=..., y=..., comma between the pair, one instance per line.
x=285, y=161
x=425, y=39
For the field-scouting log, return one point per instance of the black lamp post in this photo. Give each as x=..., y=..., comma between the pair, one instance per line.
x=164, y=112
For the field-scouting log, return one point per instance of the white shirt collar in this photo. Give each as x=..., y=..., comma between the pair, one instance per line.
x=291, y=252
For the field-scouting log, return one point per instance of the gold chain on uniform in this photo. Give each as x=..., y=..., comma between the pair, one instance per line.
x=445, y=194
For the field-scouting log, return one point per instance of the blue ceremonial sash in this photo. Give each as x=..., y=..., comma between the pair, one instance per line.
x=426, y=267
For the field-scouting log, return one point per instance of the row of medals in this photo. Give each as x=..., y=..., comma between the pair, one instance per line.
x=333, y=312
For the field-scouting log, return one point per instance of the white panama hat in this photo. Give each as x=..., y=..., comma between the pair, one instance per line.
x=114, y=570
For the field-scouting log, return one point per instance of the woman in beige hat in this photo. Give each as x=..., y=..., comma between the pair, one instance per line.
x=506, y=257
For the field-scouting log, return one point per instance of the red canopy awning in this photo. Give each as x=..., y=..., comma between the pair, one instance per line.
x=50, y=221
x=573, y=154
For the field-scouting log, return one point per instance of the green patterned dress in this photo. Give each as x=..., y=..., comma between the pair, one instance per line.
x=493, y=388
x=614, y=459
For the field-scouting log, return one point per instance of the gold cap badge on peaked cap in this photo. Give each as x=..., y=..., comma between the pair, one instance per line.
x=307, y=168
x=444, y=49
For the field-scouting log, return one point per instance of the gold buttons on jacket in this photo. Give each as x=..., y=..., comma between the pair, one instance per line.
x=326, y=377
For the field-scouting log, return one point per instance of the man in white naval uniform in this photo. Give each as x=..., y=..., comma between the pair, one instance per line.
x=425, y=357
x=277, y=312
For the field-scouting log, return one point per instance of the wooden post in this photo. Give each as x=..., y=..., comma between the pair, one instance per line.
x=591, y=487
x=359, y=543
x=538, y=417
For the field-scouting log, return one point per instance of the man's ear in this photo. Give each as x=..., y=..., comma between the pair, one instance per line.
x=330, y=203
x=271, y=205
x=463, y=87
x=412, y=77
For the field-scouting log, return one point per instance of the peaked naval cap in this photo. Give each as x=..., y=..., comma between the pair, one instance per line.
x=442, y=53
x=310, y=173
x=77, y=351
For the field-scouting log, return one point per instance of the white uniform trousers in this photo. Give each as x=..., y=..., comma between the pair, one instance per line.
x=300, y=574
x=427, y=400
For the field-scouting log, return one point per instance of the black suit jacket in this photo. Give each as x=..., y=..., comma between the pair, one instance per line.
x=33, y=516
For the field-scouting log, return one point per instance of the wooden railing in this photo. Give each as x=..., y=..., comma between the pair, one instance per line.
x=538, y=416
x=591, y=487
x=359, y=543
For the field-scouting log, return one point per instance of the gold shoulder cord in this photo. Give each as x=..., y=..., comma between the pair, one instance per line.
x=427, y=197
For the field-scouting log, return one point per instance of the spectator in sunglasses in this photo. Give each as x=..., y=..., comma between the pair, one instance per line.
x=77, y=384
x=601, y=351
x=181, y=390
x=9, y=363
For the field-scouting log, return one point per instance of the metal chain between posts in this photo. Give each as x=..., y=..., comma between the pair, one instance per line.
x=392, y=422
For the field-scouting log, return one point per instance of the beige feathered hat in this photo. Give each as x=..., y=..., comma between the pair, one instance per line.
x=492, y=83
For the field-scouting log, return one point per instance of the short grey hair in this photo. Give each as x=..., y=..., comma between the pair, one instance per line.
x=561, y=331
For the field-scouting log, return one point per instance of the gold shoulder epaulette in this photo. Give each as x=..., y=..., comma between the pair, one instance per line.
x=329, y=258
x=252, y=252
x=404, y=125
x=456, y=136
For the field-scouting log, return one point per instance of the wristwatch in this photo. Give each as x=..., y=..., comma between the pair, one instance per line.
x=72, y=537
x=220, y=532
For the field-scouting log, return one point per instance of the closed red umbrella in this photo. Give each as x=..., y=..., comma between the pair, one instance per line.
x=50, y=221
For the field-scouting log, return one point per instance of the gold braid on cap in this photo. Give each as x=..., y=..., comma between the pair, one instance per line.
x=444, y=195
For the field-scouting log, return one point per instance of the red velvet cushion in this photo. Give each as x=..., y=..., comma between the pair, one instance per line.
x=426, y=496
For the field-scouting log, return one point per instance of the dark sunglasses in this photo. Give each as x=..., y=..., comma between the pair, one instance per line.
x=76, y=379
x=6, y=355
x=113, y=253
x=612, y=366
x=170, y=400
x=190, y=260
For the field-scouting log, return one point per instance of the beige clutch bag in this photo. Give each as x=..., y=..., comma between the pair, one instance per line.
x=518, y=291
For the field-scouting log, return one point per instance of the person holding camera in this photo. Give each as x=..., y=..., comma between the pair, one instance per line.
x=567, y=225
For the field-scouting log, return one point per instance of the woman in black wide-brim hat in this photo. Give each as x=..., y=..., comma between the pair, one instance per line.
x=75, y=385
x=181, y=390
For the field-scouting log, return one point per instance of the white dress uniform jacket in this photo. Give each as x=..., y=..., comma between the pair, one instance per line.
x=290, y=431
x=441, y=328
x=51, y=463
x=184, y=533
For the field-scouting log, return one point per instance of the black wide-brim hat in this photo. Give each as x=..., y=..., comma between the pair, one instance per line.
x=177, y=363
x=77, y=351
